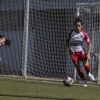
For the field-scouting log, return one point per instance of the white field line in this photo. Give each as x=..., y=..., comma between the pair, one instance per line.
x=46, y=81
x=73, y=84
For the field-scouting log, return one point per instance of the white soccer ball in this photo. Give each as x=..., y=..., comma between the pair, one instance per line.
x=68, y=81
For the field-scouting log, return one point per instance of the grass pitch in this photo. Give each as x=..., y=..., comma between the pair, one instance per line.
x=25, y=89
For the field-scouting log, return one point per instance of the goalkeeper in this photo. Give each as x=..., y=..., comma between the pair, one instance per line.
x=75, y=44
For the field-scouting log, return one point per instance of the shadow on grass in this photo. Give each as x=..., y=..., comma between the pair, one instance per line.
x=34, y=97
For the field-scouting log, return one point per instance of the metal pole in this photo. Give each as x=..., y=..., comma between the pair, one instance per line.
x=75, y=74
x=88, y=4
x=92, y=33
x=98, y=77
x=25, y=41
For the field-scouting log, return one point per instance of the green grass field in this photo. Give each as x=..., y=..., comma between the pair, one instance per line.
x=25, y=89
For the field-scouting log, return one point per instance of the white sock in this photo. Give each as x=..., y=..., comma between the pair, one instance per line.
x=91, y=76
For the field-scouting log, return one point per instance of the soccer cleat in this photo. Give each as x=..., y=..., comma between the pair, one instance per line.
x=91, y=76
x=85, y=83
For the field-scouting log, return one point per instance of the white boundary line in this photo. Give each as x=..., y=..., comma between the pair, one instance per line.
x=73, y=84
x=45, y=81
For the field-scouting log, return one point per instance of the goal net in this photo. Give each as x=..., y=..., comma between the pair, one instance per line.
x=46, y=26
x=45, y=35
x=11, y=26
x=90, y=15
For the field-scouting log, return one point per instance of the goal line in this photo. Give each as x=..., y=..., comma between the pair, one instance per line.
x=44, y=81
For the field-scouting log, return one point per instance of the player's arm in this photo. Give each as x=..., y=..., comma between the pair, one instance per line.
x=70, y=49
x=89, y=45
x=89, y=50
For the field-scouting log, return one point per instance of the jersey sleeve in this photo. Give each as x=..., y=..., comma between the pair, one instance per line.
x=86, y=37
x=69, y=36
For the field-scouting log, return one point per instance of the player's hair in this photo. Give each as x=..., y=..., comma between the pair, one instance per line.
x=78, y=20
x=1, y=36
x=7, y=42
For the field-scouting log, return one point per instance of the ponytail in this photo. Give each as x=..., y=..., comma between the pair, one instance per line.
x=78, y=20
x=8, y=42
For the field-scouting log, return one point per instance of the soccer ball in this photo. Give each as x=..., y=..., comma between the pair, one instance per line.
x=68, y=81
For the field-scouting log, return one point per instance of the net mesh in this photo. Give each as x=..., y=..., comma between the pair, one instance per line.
x=11, y=26
x=47, y=39
x=91, y=17
x=49, y=24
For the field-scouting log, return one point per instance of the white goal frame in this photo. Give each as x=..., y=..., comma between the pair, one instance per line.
x=87, y=4
x=78, y=5
x=25, y=38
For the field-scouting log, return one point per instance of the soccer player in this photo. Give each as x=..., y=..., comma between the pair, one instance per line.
x=5, y=41
x=75, y=44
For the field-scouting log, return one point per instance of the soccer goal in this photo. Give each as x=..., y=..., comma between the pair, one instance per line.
x=46, y=25
x=90, y=14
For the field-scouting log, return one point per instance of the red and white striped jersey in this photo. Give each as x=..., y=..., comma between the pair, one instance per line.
x=76, y=40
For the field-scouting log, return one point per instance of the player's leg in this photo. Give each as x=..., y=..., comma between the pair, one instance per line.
x=87, y=68
x=80, y=72
x=75, y=59
x=83, y=58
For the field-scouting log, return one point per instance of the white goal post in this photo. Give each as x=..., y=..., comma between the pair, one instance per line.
x=25, y=40
x=44, y=51
x=98, y=77
x=90, y=14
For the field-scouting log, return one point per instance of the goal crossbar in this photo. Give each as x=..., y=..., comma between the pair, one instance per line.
x=87, y=4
